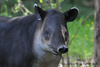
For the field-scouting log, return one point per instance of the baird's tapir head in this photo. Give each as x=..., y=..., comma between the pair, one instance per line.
x=54, y=36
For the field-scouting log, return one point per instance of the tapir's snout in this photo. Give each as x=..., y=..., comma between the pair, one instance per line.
x=62, y=49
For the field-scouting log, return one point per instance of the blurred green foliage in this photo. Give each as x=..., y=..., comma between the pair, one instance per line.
x=65, y=5
x=83, y=44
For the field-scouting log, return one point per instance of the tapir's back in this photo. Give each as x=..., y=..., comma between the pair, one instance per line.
x=4, y=19
x=16, y=38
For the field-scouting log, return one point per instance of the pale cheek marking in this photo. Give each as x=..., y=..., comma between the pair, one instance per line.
x=67, y=42
x=62, y=31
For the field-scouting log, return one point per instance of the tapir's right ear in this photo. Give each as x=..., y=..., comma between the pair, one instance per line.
x=39, y=12
x=71, y=14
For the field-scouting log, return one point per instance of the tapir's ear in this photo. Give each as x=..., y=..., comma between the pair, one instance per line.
x=39, y=12
x=71, y=14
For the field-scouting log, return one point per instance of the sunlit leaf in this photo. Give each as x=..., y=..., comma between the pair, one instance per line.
x=18, y=1
x=41, y=1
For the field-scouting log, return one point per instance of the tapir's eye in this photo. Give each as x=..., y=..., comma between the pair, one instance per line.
x=46, y=32
x=47, y=35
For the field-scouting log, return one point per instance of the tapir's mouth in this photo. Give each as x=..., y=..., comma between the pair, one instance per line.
x=54, y=51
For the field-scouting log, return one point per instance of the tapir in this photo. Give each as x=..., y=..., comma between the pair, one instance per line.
x=36, y=40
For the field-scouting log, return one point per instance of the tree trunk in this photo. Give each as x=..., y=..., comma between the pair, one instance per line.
x=97, y=34
x=50, y=3
x=58, y=5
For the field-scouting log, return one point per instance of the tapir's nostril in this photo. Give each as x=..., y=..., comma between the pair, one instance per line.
x=62, y=49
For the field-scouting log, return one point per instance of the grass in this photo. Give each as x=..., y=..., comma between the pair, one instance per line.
x=83, y=44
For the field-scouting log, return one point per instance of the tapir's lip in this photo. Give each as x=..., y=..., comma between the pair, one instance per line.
x=53, y=50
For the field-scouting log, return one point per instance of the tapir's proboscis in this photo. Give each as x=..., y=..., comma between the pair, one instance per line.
x=36, y=40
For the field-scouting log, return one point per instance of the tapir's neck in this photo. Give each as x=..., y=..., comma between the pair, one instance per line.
x=44, y=58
